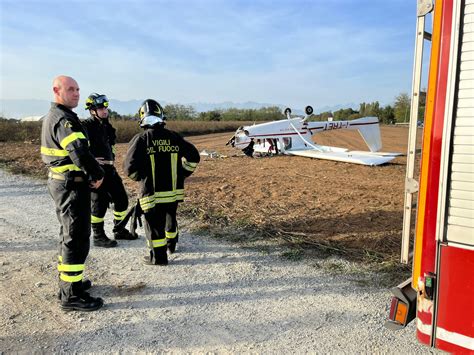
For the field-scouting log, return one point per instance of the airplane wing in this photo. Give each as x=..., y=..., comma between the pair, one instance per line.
x=382, y=154
x=357, y=157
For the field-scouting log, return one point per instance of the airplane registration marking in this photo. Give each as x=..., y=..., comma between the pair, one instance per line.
x=336, y=125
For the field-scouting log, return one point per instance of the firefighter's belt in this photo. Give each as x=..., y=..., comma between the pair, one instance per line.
x=62, y=177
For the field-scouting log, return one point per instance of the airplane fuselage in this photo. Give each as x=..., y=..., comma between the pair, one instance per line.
x=298, y=129
x=293, y=136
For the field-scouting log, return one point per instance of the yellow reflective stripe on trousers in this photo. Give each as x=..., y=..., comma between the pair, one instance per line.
x=64, y=168
x=68, y=278
x=174, y=169
x=52, y=152
x=95, y=219
x=71, y=268
x=171, y=235
x=71, y=138
x=156, y=243
x=120, y=216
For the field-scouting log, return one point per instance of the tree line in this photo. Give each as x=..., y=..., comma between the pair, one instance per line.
x=399, y=112
x=178, y=112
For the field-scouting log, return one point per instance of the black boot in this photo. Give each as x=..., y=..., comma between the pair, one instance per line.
x=100, y=238
x=157, y=257
x=82, y=302
x=171, y=245
x=124, y=234
x=102, y=241
x=85, y=285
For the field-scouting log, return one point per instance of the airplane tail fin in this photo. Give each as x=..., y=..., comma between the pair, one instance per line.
x=369, y=129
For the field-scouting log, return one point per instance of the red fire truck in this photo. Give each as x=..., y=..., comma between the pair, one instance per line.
x=440, y=294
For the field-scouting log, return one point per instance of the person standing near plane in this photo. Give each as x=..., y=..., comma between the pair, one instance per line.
x=72, y=170
x=102, y=145
x=160, y=159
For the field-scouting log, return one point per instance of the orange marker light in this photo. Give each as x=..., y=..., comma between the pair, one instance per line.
x=398, y=311
x=401, y=313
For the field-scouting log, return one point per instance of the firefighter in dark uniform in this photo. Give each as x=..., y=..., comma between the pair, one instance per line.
x=72, y=170
x=160, y=159
x=102, y=145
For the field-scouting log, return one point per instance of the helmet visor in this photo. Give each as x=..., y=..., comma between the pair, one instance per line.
x=150, y=121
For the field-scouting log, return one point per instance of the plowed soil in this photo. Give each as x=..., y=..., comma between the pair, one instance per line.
x=314, y=205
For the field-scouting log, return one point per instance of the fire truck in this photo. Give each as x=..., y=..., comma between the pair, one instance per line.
x=439, y=296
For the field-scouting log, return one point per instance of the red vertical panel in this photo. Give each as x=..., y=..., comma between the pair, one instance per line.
x=455, y=306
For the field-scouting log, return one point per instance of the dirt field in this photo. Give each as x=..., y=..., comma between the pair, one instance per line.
x=315, y=205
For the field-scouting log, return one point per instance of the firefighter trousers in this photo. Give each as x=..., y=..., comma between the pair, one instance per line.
x=111, y=191
x=72, y=201
x=161, y=229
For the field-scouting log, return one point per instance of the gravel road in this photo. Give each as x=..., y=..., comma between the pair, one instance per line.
x=214, y=297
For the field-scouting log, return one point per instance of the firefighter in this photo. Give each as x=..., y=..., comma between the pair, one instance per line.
x=72, y=170
x=160, y=159
x=102, y=145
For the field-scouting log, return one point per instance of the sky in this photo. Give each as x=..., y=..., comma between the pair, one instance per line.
x=293, y=52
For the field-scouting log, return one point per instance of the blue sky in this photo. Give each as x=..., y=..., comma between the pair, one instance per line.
x=293, y=53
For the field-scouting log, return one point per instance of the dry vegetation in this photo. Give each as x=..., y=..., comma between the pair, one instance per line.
x=17, y=131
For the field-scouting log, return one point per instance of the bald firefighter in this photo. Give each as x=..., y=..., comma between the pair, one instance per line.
x=160, y=159
x=102, y=145
x=72, y=171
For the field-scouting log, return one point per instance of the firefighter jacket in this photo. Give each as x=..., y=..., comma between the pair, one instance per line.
x=65, y=147
x=101, y=137
x=161, y=159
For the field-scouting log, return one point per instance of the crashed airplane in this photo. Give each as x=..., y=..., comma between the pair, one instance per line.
x=293, y=136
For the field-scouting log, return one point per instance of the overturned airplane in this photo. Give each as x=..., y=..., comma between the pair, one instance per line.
x=293, y=136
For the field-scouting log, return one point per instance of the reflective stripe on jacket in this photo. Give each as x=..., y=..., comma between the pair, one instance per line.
x=161, y=159
x=64, y=144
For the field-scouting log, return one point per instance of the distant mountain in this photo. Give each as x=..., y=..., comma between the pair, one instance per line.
x=22, y=108
x=204, y=106
x=30, y=107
